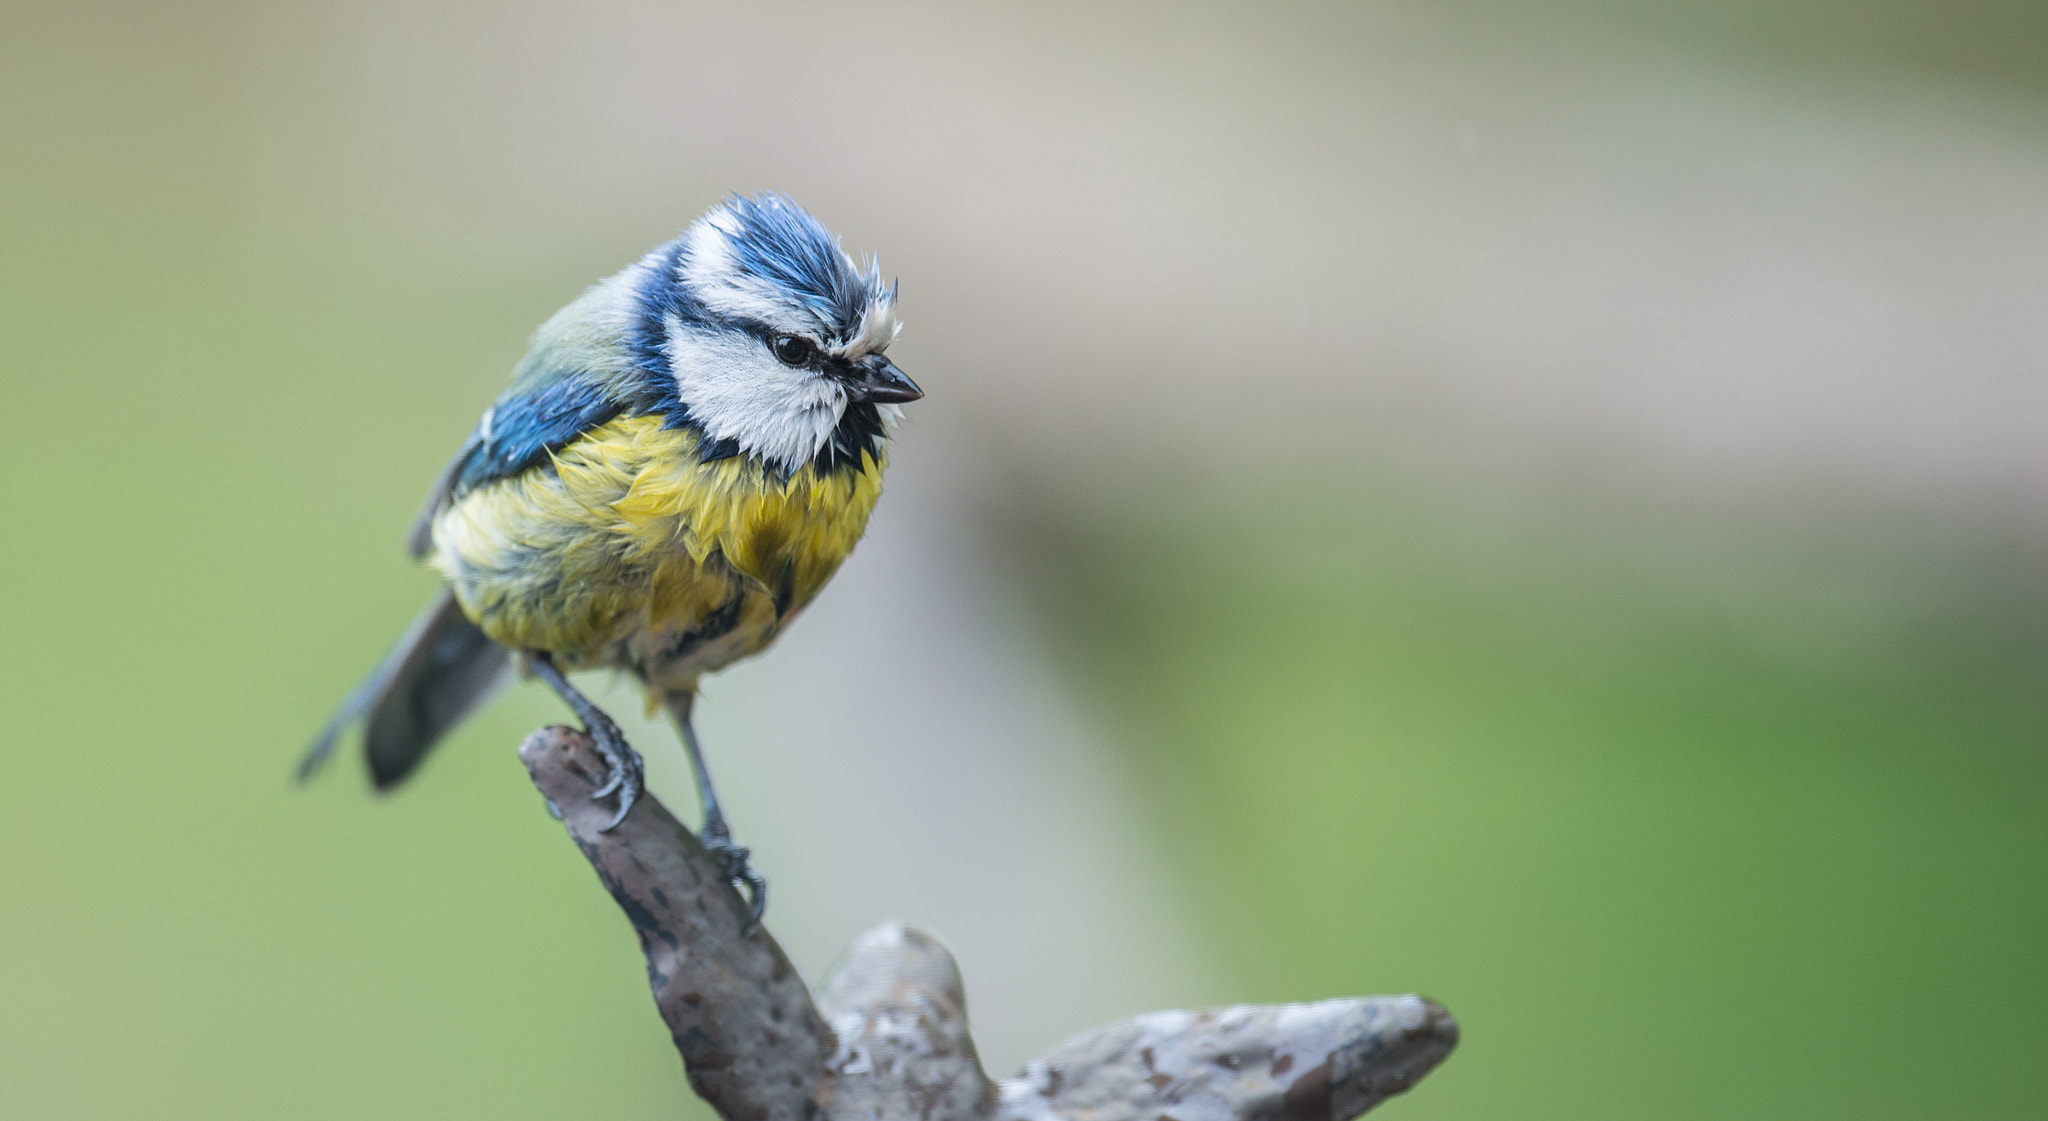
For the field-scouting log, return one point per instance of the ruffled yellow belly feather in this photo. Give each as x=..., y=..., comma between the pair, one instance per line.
x=628, y=551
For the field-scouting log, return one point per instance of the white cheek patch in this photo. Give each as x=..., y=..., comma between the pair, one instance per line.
x=738, y=391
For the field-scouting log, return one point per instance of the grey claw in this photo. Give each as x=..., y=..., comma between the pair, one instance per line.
x=757, y=891
x=732, y=861
x=619, y=759
x=554, y=811
x=627, y=795
x=624, y=766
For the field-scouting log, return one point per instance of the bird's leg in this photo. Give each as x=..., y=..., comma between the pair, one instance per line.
x=624, y=763
x=716, y=836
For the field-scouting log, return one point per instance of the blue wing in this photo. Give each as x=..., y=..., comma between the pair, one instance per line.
x=518, y=431
x=522, y=428
x=583, y=369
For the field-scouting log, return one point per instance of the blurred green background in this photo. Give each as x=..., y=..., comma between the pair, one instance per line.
x=1538, y=505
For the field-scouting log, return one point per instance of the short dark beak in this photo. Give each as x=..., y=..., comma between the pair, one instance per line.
x=877, y=379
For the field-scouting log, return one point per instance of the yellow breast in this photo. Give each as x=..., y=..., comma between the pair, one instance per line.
x=626, y=550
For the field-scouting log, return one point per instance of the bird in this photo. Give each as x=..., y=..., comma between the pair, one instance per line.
x=683, y=458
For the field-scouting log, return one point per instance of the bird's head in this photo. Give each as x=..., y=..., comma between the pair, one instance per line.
x=776, y=339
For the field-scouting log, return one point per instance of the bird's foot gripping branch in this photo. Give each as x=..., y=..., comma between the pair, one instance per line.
x=886, y=1037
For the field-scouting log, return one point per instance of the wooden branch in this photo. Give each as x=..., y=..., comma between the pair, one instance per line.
x=888, y=1040
x=1301, y=1062
x=900, y=1013
x=752, y=1042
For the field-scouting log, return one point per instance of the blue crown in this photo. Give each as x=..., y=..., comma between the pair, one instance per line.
x=779, y=242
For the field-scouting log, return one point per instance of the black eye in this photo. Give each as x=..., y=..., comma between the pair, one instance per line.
x=793, y=350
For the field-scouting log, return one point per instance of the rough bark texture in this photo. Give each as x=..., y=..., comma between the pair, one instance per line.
x=752, y=1041
x=900, y=1014
x=1277, y=1062
x=887, y=1038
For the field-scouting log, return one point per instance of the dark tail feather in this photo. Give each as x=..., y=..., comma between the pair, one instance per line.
x=441, y=670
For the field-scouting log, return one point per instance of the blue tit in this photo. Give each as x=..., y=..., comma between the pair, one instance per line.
x=685, y=456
